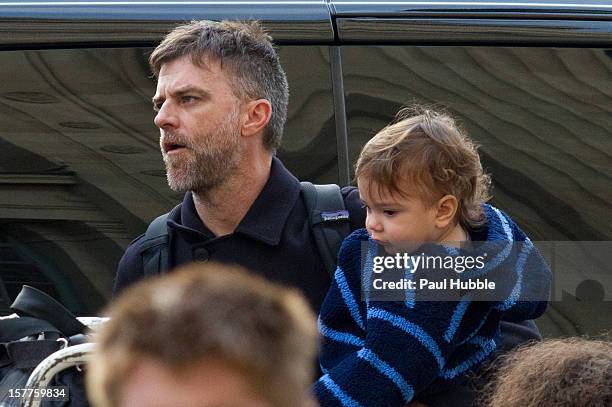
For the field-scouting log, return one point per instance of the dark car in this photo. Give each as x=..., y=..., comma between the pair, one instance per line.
x=81, y=173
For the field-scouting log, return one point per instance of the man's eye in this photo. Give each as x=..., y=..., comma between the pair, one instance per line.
x=187, y=99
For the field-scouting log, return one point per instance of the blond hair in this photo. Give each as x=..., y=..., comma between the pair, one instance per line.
x=571, y=372
x=208, y=311
x=423, y=154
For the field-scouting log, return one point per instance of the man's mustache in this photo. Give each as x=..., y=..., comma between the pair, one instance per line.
x=170, y=141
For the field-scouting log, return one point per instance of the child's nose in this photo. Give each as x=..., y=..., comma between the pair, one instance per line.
x=372, y=223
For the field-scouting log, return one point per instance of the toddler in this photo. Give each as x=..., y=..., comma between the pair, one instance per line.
x=424, y=190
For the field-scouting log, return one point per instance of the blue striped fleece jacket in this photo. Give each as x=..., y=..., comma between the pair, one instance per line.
x=387, y=353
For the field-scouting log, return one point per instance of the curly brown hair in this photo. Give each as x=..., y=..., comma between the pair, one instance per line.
x=424, y=154
x=572, y=372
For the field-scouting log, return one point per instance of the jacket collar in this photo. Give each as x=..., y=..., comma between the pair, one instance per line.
x=265, y=219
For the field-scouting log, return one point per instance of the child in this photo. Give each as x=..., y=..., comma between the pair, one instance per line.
x=421, y=182
x=568, y=372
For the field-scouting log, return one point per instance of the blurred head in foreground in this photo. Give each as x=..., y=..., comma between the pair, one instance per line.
x=569, y=372
x=205, y=336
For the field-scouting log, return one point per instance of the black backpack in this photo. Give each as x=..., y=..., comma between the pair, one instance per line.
x=327, y=214
x=43, y=327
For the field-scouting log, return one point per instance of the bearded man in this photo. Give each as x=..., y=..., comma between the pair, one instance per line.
x=221, y=104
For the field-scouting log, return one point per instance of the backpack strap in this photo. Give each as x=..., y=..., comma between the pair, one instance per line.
x=154, y=249
x=28, y=354
x=328, y=218
x=31, y=302
x=13, y=329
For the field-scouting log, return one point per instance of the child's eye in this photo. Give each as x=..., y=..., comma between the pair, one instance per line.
x=389, y=212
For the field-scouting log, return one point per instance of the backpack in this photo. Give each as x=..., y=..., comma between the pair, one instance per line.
x=43, y=328
x=327, y=216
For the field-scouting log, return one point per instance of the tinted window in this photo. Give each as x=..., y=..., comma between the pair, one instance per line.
x=542, y=117
x=80, y=170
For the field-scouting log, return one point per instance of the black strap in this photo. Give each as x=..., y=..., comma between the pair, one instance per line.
x=13, y=329
x=31, y=302
x=154, y=248
x=28, y=354
x=329, y=220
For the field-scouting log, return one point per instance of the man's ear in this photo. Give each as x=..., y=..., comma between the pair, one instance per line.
x=447, y=208
x=257, y=114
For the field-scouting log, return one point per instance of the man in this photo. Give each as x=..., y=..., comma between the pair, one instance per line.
x=221, y=104
x=205, y=336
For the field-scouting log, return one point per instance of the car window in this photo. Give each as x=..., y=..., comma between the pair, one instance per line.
x=80, y=170
x=542, y=118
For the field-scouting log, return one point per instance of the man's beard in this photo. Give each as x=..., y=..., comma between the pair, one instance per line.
x=208, y=162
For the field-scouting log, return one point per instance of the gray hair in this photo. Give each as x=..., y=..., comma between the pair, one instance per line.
x=246, y=50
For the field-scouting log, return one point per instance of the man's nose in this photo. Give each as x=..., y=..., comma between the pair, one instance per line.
x=166, y=117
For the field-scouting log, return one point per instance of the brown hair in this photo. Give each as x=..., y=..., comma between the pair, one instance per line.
x=571, y=372
x=246, y=51
x=423, y=154
x=209, y=311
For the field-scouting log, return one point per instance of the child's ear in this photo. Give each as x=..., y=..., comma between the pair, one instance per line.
x=447, y=208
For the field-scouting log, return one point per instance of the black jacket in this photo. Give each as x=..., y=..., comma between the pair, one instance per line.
x=274, y=239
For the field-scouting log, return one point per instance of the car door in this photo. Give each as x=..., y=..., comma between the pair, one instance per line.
x=532, y=86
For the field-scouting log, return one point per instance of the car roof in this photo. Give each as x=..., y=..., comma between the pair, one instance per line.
x=505, y=8
x=286, y=9
x=482, y=8
x=145, y=22
x=61, y=23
